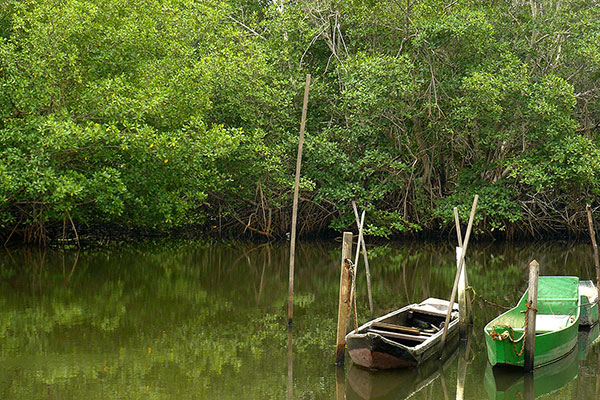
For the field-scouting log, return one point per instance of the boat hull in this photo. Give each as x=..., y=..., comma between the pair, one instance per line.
x=548, y=348
x=374, y=352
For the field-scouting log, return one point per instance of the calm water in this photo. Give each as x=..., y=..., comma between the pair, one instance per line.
x=189, y=320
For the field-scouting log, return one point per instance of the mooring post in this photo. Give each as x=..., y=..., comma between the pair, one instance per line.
x=344, y=301
x=534, y=273
x=463, y=317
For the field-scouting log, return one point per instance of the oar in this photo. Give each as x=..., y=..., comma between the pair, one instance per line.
x=460, y=265
x=460, y=244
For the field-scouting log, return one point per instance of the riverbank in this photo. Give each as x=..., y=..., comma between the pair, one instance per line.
x=74, y=236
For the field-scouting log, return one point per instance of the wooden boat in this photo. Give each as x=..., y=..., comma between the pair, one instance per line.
x=402, y=338
x=589, y=303
x=557, y=322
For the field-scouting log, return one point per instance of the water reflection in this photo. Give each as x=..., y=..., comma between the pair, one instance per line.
x=205, y=320
x=463, y=360
x=402, y=383
x=290, y=365
x=511, y=383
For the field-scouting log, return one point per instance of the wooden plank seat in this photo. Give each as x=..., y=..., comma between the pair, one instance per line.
x=396, y=328
x=396, y=335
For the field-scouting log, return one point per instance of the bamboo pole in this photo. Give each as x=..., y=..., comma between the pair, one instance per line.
x=595, y=246
x=353, y=290
x=457, y=276
x=462, y=299
x=295, y=205
x=344, y=300
x=366, y=260
x=534, y=273
x=464, y=271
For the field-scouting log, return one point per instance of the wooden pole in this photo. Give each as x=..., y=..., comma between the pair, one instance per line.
x=353, y=290
x=460, y=264
x=344, y=300
x=457, y=224
x=534, y=273
x=462, y=299
x=295, y=205
x=460, y=244
x=366, y=260
x=595, y=246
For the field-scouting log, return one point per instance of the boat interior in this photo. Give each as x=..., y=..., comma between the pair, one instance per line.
x=553, y=314
x=412, y=326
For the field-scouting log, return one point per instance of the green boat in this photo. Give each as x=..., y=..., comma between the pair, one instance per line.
x=557, y=323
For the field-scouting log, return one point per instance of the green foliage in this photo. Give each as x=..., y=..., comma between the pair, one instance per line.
x=175, y=113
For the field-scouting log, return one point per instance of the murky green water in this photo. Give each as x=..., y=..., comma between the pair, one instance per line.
x=183, y=320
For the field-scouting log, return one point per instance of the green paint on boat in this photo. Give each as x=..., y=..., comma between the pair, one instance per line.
x=557, y=323
x=509, y=384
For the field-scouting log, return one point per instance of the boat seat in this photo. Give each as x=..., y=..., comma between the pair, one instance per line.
x=404, y=336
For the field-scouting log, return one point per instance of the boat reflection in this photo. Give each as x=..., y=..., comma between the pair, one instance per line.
x=585, y=339
x=397, y=384
x=511, y=383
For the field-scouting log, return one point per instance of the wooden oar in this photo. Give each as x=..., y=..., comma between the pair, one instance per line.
x=460, y=265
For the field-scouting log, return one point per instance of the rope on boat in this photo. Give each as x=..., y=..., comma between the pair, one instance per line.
x=510, y=334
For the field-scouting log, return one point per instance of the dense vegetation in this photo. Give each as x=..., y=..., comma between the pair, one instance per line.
x=167, y=114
